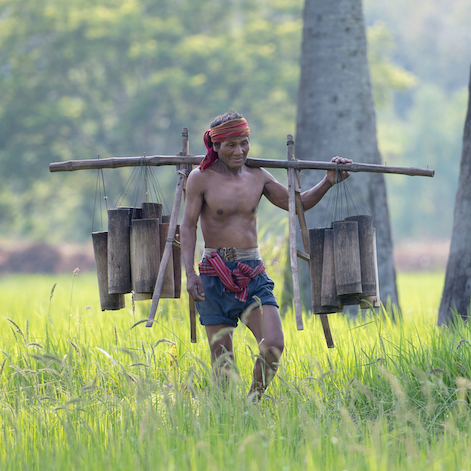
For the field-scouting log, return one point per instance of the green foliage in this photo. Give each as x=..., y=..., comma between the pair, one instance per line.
x=117, y=78
x=430, y=135
x=122, y=78
x=423, y=126
x=82, y=389
x=387, y=77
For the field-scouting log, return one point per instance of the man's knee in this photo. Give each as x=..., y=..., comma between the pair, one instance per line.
x=272, y=350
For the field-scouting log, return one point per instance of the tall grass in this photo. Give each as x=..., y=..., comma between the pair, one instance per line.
x=82, y=389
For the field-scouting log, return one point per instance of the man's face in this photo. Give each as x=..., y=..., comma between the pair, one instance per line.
x=233, y=152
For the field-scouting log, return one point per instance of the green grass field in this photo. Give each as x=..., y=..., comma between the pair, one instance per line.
x=81, y=390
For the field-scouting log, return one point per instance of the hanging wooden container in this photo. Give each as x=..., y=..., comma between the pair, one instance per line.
x=375, y=300
x=328, y=287
x=367, y=255
x=347, y=257
x=108, y=302
x=168, y=287
x=136, y=213
x=177, y=259
x=145, y=256
x=316, y=251
x=151, y=210
x=119, y=258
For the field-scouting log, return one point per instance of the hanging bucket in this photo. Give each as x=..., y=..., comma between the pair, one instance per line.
x=168, y=287
x=347, y=257
x=151, y=210
x=176, y=259
x=119, y=258
x=367, y=254
x=373, y=301
x=108, y=302
x=136, y=213
x=145, y=256
x=328, y=288
x=316, y=251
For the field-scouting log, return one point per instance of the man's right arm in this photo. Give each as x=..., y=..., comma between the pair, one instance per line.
x=189, y=224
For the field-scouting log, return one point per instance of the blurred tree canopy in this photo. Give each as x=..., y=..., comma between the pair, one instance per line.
x=122, y=77
x=423, y=126
x=81, y=78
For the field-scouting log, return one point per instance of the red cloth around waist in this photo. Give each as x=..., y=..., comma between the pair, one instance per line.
x=234, y=281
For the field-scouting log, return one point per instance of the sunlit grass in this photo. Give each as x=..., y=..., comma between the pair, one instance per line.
x=82, y=389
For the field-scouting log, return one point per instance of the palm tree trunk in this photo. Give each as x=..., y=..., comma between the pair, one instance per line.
x=336, y=117
x=457, y=291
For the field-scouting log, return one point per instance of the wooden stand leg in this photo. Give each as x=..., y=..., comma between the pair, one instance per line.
x=192, y=320
x=327, y=333
x=304, y=233
x=171, y=235
x=292, y=240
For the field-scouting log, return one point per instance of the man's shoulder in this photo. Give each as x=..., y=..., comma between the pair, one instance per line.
x=197, y=181
x=262, y=173
x=198, y=175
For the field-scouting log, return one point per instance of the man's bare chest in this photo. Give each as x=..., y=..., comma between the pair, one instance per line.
x=233, y=196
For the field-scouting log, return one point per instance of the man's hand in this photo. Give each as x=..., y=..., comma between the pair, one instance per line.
x=194, y=286
x=333, y=176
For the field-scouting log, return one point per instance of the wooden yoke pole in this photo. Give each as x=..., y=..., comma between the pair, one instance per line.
x=292, y=236
x=171, y=233
x=191, y=301
x=159, y=160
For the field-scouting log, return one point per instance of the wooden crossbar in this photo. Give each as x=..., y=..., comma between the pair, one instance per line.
x=161, y=160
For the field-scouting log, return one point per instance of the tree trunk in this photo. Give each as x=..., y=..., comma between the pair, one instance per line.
x=457, y=291
x=336, y=117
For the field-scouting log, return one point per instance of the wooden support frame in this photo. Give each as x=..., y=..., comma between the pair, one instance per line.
x=292, y=209
x=296, y=207
x=184, y=163
x=182, y=175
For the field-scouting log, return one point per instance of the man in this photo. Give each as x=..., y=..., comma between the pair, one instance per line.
x=224, y=194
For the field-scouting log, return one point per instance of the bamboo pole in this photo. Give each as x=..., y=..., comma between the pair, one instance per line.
x=292, y=237
x=191, y=301
x=171, y=235
x=161, y=160
x=324, y=318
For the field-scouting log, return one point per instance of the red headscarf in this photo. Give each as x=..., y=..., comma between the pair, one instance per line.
x=232, y=128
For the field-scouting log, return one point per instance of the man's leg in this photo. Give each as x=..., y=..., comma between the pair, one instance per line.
x=222, y=353
x=268, y=332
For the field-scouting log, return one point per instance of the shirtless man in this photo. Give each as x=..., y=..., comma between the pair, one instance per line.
x=224, y=194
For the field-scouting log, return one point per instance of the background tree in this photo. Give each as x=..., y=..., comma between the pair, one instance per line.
x=457, y=291
x=336, y=115
x=121, y=77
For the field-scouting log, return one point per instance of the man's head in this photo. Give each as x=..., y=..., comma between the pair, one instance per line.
x=226, y=126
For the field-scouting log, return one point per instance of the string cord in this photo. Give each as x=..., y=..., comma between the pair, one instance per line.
x=100, y=195
x=343, y=200
x=142, y=185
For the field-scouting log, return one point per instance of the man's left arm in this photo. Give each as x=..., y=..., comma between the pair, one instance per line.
x=277, y=194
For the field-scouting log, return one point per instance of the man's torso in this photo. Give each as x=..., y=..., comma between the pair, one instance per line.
x=230, y=203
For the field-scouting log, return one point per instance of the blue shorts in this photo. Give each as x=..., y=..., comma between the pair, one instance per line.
x=221, y=307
